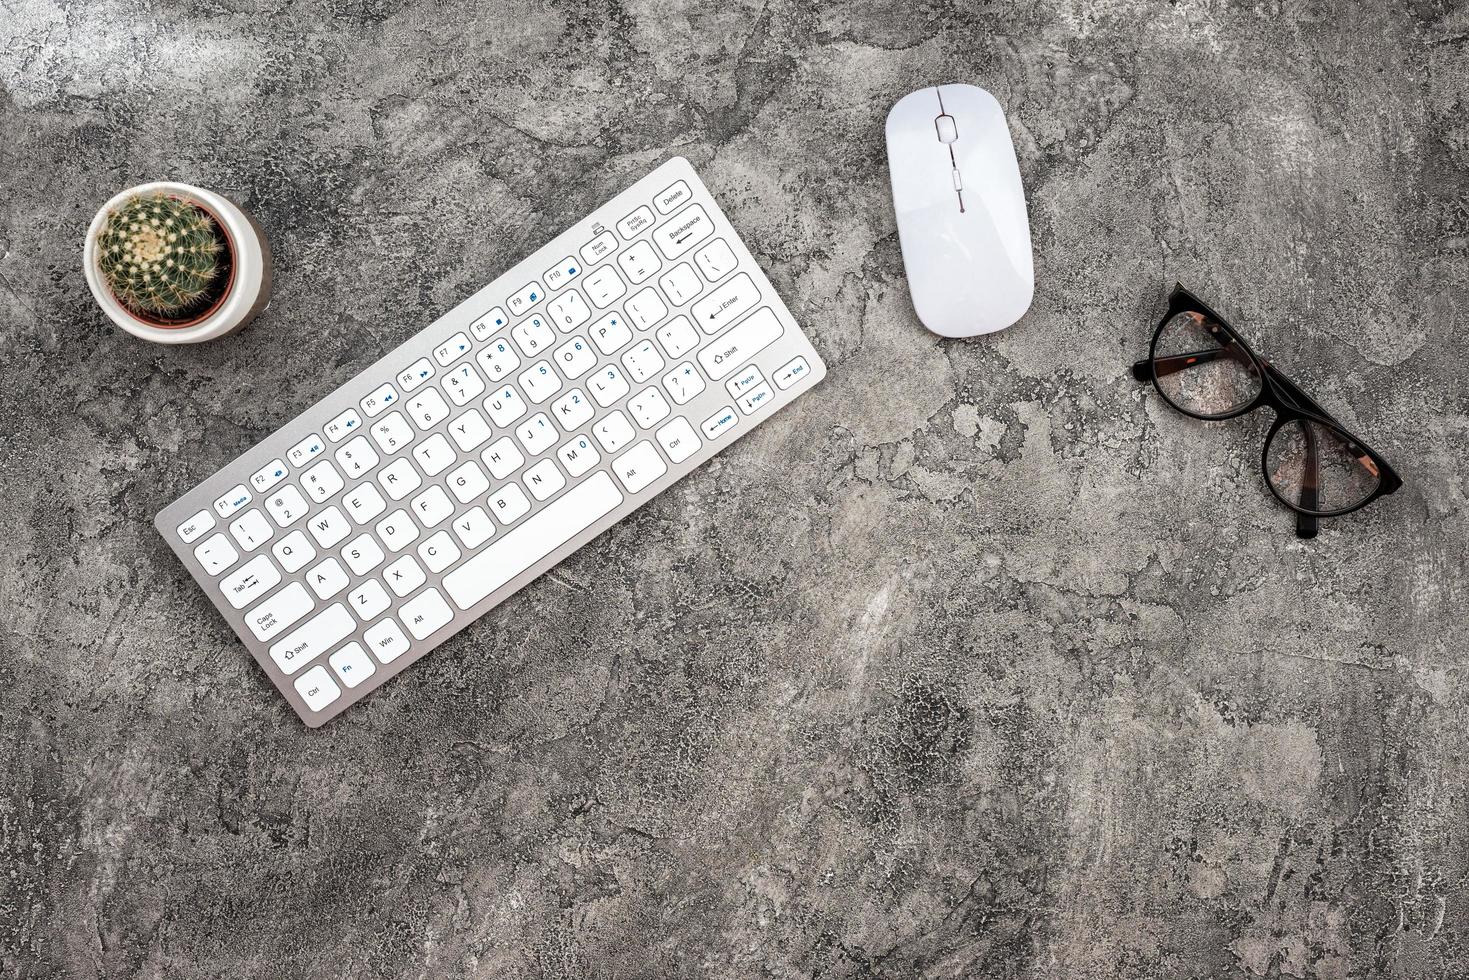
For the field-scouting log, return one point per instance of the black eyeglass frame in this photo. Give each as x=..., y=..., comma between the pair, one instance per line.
x=1278, y=392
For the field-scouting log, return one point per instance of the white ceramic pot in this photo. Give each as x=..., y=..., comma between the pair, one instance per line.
x=249, y=289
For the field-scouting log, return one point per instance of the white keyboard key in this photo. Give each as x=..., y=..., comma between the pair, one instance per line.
x=681, y=283
x=470, y=431
x=318, y=635
x=343, y=425
x=642, y=361
x=720, y=422
x=451, y=350
x=684, y=383
x=502, y=457
x=604, y=287
x=562, y=273
x=498, y=359
x=293, y=552
x=317, y=688
x=578, y=456
x=683, y=231
x=672, y=196
x=286, y=507
x=391, y=433
x=386, y=641
x=679, y=440
x=726, y=304
x=415, y=374
x=572, y=410
x=434, y=454
x=473, y=527
x=539, y=382
x=610, y=333
x=488, y=324
x=792, y=372
x=369, y=600
x=279, y=611
x=645, y=307
x=614, y=431
x=364, y=503
x=329, y=527
x=216, y=554
x=648, y=407
x=357, y=458
x=322, y=481
x=639, y=263
x=536, y=434
x=756, y=398
x=743, y=380
x=505, y=406
x=607, y=385
x=196, y=527
x=533, y=336
x=403, y=576
x=378, y=401
x=604, y=246
x=678, y=337
x=428, y=409
x=328, y=578
x=268, y=476
x=439, y=552
x=251, y=530
x=529, y=295
x=508, y=504
x=575, y=358
x=362, y=553
x=569, y=311
x=399, y=478
x=397, y=531
x=636, y=223
x=352, y=665
x=639, y=466
x=741, y=343
x=426, y=613
x=463, y=384
x=715, y=260
x=544, y=479
x=233, y=501
x=556, y=524
x=468, y=481
x=431, y=507
x=306, y=450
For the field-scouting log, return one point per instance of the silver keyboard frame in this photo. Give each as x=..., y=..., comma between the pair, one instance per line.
x=792, y=343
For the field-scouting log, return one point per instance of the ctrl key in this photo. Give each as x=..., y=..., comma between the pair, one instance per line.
x=317, y=688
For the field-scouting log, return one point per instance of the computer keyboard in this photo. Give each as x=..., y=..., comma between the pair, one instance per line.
x=504, y=436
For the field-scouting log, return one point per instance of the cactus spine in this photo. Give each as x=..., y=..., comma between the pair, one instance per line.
x=158, y=254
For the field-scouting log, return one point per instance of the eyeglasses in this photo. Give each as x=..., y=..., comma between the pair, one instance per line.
x=1203, y=367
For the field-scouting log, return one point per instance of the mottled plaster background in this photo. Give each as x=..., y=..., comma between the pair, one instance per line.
x=977, y=661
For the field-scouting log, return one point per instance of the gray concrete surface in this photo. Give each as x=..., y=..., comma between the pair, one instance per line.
x=976, y=662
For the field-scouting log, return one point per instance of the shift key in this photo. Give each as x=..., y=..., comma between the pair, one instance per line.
x=740, y=344
x=318, y=636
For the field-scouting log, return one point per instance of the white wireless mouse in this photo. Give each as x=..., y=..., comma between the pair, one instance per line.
x=961, y=210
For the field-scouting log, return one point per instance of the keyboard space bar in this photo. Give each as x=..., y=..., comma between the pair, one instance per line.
x=544, y=532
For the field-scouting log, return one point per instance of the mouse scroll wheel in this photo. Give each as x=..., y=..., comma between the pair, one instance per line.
x=948, y=132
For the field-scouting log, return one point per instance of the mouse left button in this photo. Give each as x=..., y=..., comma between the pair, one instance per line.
x=948, y=132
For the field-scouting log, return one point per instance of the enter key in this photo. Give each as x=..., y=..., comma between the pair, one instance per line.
x=726, y=304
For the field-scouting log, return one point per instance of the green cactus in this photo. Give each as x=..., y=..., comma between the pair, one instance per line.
x=158, y=254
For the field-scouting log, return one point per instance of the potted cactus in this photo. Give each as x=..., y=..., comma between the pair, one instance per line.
x=176, y=264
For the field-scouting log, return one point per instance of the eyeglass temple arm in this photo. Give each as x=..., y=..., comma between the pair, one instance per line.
x=1147, y=369
x=1310, y=499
